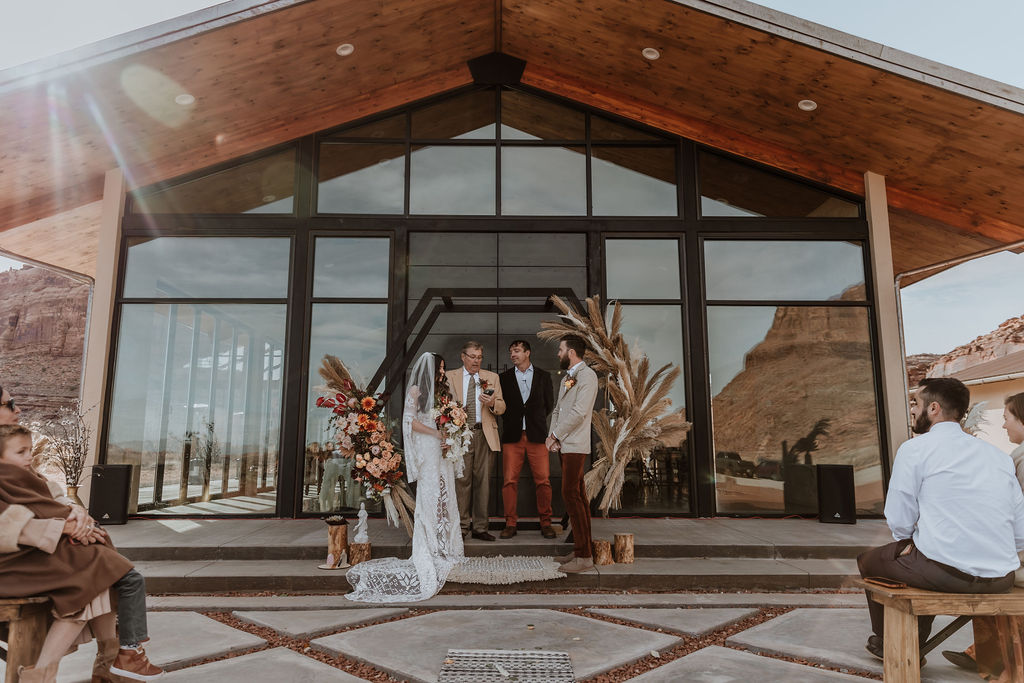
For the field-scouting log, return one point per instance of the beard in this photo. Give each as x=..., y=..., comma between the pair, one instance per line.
x=564, y=363
x=922, y=424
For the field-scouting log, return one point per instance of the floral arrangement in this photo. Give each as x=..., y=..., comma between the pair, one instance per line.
x=66, y=443
x=451, y=417
x=570, y=382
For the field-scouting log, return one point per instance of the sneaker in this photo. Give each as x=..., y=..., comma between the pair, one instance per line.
x=134, y=664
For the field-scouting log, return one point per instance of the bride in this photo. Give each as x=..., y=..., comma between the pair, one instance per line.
x=437, y=537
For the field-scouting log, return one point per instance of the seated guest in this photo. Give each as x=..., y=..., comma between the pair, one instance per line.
x=954, y=507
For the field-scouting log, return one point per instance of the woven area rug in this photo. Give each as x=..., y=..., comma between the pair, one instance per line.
x=502, y=570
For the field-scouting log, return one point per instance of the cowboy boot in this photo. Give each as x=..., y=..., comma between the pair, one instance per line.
x=106, y=651
x=31, y=674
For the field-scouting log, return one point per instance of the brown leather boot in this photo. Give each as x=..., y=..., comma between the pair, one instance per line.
x=106, y=651
x=30, y=674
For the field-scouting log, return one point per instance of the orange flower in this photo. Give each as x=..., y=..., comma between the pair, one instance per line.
x=368, y=403
x=363, y=420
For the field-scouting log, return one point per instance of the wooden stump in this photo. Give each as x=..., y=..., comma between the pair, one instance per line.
x=337, y=543
x=358, y=552
x=603, y=552
x=624, y=548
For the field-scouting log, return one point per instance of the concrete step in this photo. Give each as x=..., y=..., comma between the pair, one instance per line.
x=648, y=574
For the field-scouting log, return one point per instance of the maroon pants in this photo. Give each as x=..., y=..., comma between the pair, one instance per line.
x=512, y=457
x=576, y=504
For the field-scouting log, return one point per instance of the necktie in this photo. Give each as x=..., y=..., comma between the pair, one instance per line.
x=471, y=401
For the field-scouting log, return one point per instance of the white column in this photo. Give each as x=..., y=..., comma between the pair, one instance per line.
x=893, y=364
x=101, y=310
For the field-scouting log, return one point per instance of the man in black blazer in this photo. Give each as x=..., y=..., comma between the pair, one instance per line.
x=529, y=400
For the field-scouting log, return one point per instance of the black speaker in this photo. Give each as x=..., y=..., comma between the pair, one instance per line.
x=837, y=503
x=108, y=495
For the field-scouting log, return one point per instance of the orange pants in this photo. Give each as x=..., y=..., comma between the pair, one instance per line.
x=512, y=457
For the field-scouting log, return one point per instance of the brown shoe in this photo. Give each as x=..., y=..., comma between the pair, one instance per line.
x=508, y=532
x=106, y=652
x=577, y=565
x=562, y=559
x=547, y=531
x=482, y=535
x=134, y=664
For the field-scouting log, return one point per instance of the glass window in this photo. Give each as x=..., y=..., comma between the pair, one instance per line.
x=208, y=267
x=452, y=180
x=544, y=181
x=605, y=129
x=792, y=387
x=657, y=332
x=526, y=117
x=729, y=188
x=351, y=267
x=634, y=181
x=356, y=334
x=783, y=270
x=196, y=406
x=465, y=117
x=361, y=178
x=642, y=269
x=392, y=127
x=542, y=249
x=453, y=249
x=264, y=185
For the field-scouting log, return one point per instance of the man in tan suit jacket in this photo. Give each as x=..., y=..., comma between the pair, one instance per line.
x=471, y=489
x=570, y=434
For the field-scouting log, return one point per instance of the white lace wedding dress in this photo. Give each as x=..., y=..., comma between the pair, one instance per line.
x=437, y=537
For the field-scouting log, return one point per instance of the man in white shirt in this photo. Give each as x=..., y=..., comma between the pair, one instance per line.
x=954, y=507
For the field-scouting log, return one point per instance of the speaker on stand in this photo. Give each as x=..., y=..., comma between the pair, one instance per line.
x=108, y=494
x=837, y=503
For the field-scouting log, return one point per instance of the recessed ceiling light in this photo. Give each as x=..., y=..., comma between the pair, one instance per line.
x=345, y=49
x=184, y=99
x=650, y=53
x=807, y=105
x=267, y=198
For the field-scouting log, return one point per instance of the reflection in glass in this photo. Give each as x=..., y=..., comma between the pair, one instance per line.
x=208, y=267
x=422, y=277
x=542, y=249
x=357, y=334
x=657, y=332
x=452, y=180
x=792, y=387
x=634, y=181
x=452, y=249
x=729, y=188
x=351, y=267
x=526, y=117
x=196, y=406
x=642, y=269
x=361, y=178
x=784, y=270
x=392, y=127
x=468, y=116
x=264, y=185
x=543, y=181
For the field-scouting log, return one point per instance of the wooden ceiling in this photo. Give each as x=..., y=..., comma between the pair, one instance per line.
x=952, y=162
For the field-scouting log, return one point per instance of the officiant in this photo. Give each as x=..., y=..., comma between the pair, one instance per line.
x=480, y=392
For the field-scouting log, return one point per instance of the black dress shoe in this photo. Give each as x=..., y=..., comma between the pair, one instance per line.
x=547, y=531
x=876, y=646
x=482, y=535
x=961, y=659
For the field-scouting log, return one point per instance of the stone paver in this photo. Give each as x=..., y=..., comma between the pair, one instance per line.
x=724, y=665
x=836, y=637
x=594, y=646
x=178, y=639
x=278, y=664
x=692, y=622
x=305, y=624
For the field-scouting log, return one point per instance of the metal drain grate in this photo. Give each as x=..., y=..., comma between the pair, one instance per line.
x=506, y=666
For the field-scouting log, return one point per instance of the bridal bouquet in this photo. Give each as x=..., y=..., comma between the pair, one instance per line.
x=362, y=435
x=451, y=420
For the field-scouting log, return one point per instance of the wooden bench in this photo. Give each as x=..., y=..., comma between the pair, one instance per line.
x=26, y=621
x=902, y=607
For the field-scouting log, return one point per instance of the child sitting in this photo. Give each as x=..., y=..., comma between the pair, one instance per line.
x=51, y=549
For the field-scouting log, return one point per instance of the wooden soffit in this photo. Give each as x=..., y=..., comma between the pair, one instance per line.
x=729, y=76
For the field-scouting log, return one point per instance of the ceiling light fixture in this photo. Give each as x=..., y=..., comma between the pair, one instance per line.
x=184, y=99
x=807, y=105
x=650, y=53
x=345, y=49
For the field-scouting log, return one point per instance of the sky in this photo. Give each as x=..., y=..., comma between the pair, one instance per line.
x=981, y=37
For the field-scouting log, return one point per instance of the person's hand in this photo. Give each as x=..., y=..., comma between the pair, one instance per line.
x=79, y=521
x=487, y=399
x=553, y=444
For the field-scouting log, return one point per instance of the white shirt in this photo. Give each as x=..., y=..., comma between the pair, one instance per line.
x=959, y=499
x=465, y=390
x=524, y=379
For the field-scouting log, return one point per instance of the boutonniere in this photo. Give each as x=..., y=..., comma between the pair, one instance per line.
x=570, y=382
x=482, y=383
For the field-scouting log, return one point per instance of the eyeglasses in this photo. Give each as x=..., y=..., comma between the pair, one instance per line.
x=477, y=357
x=9, y=404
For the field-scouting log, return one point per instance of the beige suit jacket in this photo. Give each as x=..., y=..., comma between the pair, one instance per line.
x=570, y=421
x=487, y=417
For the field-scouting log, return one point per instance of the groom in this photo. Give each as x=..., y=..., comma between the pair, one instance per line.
x=480, y=392
x=570, y=434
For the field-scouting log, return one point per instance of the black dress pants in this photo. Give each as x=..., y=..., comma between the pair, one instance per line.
x=914, y=569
